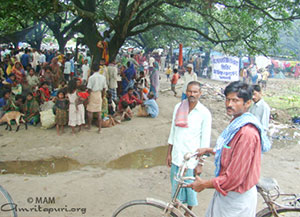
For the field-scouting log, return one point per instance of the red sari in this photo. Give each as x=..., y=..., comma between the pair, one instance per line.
x=45, y=93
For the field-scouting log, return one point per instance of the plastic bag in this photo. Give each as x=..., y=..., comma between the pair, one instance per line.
x=47, y=119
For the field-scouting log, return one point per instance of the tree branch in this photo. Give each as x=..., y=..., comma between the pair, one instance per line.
x=149, y=26
x=70, y=25
x=269, y=15
x=136, y=41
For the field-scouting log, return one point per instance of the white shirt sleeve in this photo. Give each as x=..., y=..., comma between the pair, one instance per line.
x=172, y=131
x=206, y=131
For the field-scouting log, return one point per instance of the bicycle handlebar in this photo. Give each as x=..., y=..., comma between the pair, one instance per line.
x=182, y=169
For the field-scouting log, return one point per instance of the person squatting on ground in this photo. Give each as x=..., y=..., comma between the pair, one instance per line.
x=237, y=158
x=190, y=130
x=149, y=108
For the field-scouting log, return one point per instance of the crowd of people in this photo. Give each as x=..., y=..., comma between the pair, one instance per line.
x=34, y=81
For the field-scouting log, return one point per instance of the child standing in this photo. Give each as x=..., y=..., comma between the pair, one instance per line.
x=61, y=114
x=174, y=81
x=76, y=108
x=168, y=72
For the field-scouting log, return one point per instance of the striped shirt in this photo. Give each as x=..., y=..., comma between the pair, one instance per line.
x=240, y=164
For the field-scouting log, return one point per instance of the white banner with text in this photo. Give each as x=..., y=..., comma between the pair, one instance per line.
x=225, y=68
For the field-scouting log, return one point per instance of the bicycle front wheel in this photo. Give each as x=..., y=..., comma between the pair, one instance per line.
x=142, y=208
x=7, y=206
x=286, y=212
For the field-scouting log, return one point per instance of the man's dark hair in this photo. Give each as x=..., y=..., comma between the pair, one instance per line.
x=175, y=70
x=19, y=96
x=131, y=55
x=61, y=91
x=194, y=83
x=72, y=85
x=95, y=67
x=29, y=93
x=44, y=82
x=12, y=74
x=124, y=104
x=256, y=88
x=5, y=91
x=242, y=89
x=130, y=88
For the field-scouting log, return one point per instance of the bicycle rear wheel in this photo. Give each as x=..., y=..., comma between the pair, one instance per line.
x=142, y=208
x=7, y=206
x=286, y=212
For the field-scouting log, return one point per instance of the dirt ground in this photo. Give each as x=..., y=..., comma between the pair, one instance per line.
x=88, y=184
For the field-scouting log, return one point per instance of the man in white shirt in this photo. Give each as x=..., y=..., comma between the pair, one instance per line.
x=113, y=80
x=188, y=76
x=96, y=86
x=85, y=71
x=190, y=130
x=42, y=60
x=151, y=62
x=67, y=69
x=36, y=59
x=163, y=63
x=260, y=108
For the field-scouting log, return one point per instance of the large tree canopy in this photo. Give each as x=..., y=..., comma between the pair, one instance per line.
x=250, y=26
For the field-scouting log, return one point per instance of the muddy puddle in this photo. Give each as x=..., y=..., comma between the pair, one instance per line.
x=136, y=160
x=140, y=159
x=39, y=167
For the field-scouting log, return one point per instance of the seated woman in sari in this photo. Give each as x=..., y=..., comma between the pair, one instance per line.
x=18, y=70
x=127, y=77
x=31, y=110
x=45, y=92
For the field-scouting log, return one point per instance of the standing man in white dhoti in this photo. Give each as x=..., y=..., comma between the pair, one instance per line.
x=97, y=87
x=237, y=158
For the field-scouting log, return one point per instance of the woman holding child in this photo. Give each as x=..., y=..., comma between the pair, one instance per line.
x=76, y=108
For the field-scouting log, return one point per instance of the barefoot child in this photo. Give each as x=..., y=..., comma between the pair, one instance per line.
x=168, y=72
x=76, y=109
x=61, y=114
x=174, y=81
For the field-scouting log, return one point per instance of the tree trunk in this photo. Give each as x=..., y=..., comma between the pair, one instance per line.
x=206, y=59
x=36, y=44
x=114, y=46
x=61, y=43
x=91, y=37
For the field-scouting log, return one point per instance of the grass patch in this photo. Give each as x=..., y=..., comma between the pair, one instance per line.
x=289, y=104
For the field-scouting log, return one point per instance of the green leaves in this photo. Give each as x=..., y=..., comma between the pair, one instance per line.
x=233, y=26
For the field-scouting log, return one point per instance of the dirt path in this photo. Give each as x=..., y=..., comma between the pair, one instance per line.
x=89, y=184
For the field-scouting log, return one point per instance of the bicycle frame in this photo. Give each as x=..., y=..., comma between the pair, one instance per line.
x=265, y=188
x=180, y=178
x=270, y=200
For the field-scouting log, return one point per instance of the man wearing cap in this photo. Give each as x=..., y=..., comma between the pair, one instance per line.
x=188, y=76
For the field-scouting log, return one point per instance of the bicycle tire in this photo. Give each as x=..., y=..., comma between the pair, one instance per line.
x=11, y=212
x=122, y=210
x=288, y=212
